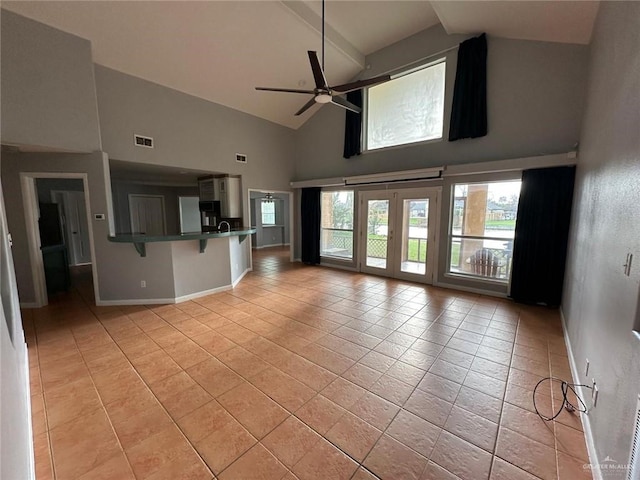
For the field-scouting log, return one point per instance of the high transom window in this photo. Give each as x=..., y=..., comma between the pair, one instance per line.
x=407, y=109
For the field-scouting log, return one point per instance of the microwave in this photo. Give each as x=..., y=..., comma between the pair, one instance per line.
x=212, y=206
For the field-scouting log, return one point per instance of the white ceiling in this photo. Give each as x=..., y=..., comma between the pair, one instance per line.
x=221, y=50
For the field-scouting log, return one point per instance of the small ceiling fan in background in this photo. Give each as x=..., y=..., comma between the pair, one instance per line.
x=323, y=93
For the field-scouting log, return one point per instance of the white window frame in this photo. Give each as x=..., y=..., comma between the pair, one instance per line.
x=365, y=110
x=262, y=213
x=352, y=229
x=450, y=235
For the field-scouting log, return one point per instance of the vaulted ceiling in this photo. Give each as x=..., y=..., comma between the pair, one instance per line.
x=221, y=50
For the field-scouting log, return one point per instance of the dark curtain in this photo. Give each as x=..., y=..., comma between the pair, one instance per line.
x=353, y=127
x=542, y=231
x=310, y=211
x=469, y=109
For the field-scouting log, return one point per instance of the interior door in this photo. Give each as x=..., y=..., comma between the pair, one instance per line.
x=75, y=225
x=398, y=233
x=147, y=214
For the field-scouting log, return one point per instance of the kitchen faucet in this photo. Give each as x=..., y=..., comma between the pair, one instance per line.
x=228, y=226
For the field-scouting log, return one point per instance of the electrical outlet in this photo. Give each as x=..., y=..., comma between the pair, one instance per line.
x=586, y=368
x=594, y=394
x=143, y=283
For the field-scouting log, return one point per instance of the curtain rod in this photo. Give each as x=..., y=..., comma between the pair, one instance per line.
x=422, y=59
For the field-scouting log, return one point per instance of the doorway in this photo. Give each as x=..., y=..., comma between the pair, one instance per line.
x=47, y=250
x=398, y=233
x=147, y=214
x=271, y=214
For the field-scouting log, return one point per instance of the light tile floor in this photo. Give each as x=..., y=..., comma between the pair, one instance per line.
x=300, y=373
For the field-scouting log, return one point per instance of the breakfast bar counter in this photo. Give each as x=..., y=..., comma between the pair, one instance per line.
x=175, y=268
x=140, y=241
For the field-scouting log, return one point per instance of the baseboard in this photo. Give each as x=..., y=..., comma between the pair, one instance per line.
x=349, y=268
x=135, y=301
x=29, y=305
x=32, y=466
x=204, y=293
x=273, y=245
x=462, y=288
x=233, y=285
x=586, y=423
x=165, y=301
x=161, y=301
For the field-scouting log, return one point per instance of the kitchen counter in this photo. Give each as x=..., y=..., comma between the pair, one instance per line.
x=140, y=241
x=174, y=268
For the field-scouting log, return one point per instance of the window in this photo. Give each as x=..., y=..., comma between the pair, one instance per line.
x=407, y=109
x=483, y=224
x=336, y=225
x=268, y=212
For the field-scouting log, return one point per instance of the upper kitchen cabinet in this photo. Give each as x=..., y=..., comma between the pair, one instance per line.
x=207, y=188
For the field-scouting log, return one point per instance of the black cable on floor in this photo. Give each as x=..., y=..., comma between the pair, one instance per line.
x=565, y=387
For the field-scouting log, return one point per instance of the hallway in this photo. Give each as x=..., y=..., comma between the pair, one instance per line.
x=300, y=372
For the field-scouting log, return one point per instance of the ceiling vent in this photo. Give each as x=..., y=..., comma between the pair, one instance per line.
x=241, y=158
x=142, y=141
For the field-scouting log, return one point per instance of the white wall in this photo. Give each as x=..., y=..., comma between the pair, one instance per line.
x=16, y=452
x=600, y=303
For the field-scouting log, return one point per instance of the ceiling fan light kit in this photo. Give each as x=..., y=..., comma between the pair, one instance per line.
x=323, y=98
x=323, y=93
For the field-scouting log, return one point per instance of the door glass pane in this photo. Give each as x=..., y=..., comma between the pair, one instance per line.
x=415, y=218
x=377, y=233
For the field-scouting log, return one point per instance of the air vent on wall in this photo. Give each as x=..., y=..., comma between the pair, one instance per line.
x=634, y=460
x=241, y=158
x=142, y=141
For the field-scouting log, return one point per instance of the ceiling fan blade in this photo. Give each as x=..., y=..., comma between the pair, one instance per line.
x=307, y=106
x=318, y=74
x=350, y=87
x=341, y=102
x=286, y=90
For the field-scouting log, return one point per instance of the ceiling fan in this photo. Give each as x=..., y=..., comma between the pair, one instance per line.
x=323, y=93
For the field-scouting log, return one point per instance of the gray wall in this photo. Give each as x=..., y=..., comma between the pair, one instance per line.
x=48, y=88
x=600, y=302
x=118, y=266
x=46, y=185
x=191, y=133
x=535, y=96
x=121, y=190
x=188, y=272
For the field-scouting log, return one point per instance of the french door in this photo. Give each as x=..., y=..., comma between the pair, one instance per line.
x=397, y=233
